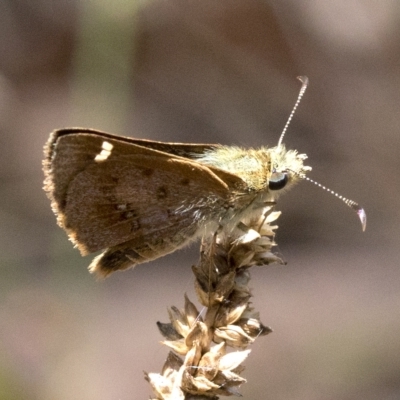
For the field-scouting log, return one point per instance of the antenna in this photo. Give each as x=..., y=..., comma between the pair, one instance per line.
x=350, y=203
x=304, y=81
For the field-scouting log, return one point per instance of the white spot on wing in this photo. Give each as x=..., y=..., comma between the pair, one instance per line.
x=105, y=152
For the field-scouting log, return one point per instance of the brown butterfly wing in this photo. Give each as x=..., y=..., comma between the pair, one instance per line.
x=140, y=203
x=69, y=151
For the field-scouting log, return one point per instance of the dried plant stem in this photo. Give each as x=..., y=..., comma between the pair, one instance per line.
x=207, y=370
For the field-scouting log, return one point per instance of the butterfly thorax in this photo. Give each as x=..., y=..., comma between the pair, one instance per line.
x=255, y=166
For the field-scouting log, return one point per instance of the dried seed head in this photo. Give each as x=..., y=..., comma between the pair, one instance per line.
x=222, y=278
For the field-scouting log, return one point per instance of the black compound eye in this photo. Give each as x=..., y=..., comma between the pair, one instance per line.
x=278, y=180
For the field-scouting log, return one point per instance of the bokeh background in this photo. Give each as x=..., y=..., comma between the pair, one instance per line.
x=219, y=71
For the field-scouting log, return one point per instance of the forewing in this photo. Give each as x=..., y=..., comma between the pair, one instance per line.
x=132, y=193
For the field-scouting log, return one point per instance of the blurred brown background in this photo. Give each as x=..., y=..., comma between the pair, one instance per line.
x=205, y=71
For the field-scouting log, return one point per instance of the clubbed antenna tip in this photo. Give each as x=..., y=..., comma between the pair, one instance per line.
x=361, y=214
x=359, y=210
x=350, y=203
